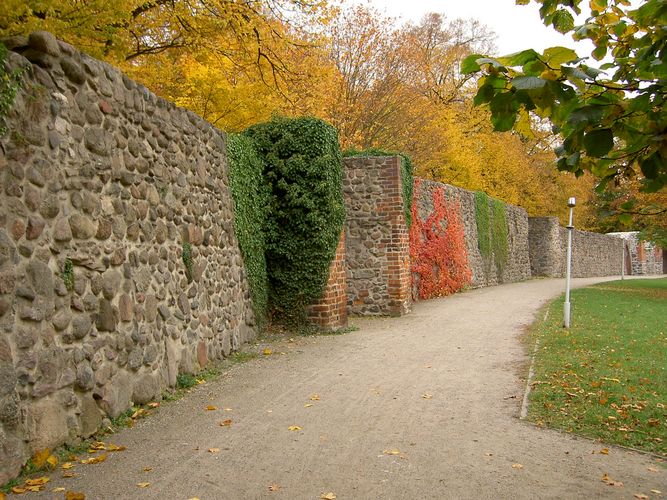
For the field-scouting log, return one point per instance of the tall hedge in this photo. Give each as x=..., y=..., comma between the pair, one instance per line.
x=407, y=176
x=251, y=196
x=302, y=166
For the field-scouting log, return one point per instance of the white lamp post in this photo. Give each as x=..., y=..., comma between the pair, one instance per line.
x=566, y=307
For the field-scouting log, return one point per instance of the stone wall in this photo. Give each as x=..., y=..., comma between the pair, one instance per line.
x=644, y=256
x=593, y=254
x=377, y=242
x=99, y=173
x=517, y=267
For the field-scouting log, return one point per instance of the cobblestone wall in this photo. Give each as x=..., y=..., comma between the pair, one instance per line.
x=98, y=173
x=517, y=267
x=644, y=256
x=593, y=254
x=377, y=242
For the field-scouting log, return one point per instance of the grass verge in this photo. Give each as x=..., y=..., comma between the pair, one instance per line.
x=606, y=377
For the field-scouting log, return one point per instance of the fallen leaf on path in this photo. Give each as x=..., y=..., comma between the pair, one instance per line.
x=2, y=496
x=67, y=465
x=211, y=408
x=139, y=413
x=274, y=487
x=328, y=496
x=488, y=454
x=153, y=404
x=193, y=498
x=114, y=447
x=74, y=495
x=641, y=496
x=143, y=485
x=315, y=397
x=267, y=352
x=604, y=451
x=95, y=460
x=426, y=395
x=606, y=479
x=428, y=366
x=228, y=409
x=308, y=405
x=96, y=446
x=391, y=452
x=517, y=466
x=294, y=428
x=201, y=381
x=37, y=481
x=651, y=469
x=226, y=423
x=67, y=475
x=148, y=469
x=657, y=492
x=55, y=490
x=214, y=450
x=18, y=490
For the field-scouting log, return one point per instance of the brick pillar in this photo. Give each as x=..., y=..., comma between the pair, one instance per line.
x=330, y=311
x=377, y=245
x=398, y=244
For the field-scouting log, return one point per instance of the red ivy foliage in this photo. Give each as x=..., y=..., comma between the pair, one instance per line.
x=437, y=248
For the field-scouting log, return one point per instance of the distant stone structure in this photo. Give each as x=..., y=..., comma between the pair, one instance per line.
x=642, y=257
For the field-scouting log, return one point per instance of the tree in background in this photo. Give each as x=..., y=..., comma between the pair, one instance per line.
x=382, y=84
x=611, y=119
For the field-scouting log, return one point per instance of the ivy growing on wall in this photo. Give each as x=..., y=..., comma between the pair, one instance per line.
x=438, y=248
x=302, y=166
x=492, y=232
x=251, y=195
x=499, y=235
x=483, y=226
x=407, y=177
x=10, y=82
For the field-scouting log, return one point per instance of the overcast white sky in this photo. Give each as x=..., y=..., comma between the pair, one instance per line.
x=517, y=27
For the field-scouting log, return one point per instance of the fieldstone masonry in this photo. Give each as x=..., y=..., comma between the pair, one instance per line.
x=98, y=172
x=593, y=254
x=642, y=257
x=377, y=241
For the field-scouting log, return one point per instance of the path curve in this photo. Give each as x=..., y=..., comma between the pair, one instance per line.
x=463, y=350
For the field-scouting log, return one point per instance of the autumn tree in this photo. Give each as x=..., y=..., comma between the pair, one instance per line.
x=610, y=116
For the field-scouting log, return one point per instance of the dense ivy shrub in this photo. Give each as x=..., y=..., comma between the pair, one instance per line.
x=492, y=232
x=407, y=176
x=251, y=196
x=499, y=235
x=483, y=224
x=302, y=166
x=437, y=248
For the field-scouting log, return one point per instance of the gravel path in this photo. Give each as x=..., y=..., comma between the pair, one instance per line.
x=423, y=406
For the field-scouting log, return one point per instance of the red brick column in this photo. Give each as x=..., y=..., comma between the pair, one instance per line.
x=330, y=312
x=398, y=244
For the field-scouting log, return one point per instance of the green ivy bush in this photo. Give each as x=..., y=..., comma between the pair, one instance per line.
x=483, y=224
x=302, y=168
x=492, y=232
x=499, y=235
x=407, y=177
x=251, y=194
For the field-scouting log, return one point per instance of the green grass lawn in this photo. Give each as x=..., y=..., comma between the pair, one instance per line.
x=606, y=377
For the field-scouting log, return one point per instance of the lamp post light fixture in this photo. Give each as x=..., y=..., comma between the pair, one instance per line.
x=570, y=227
